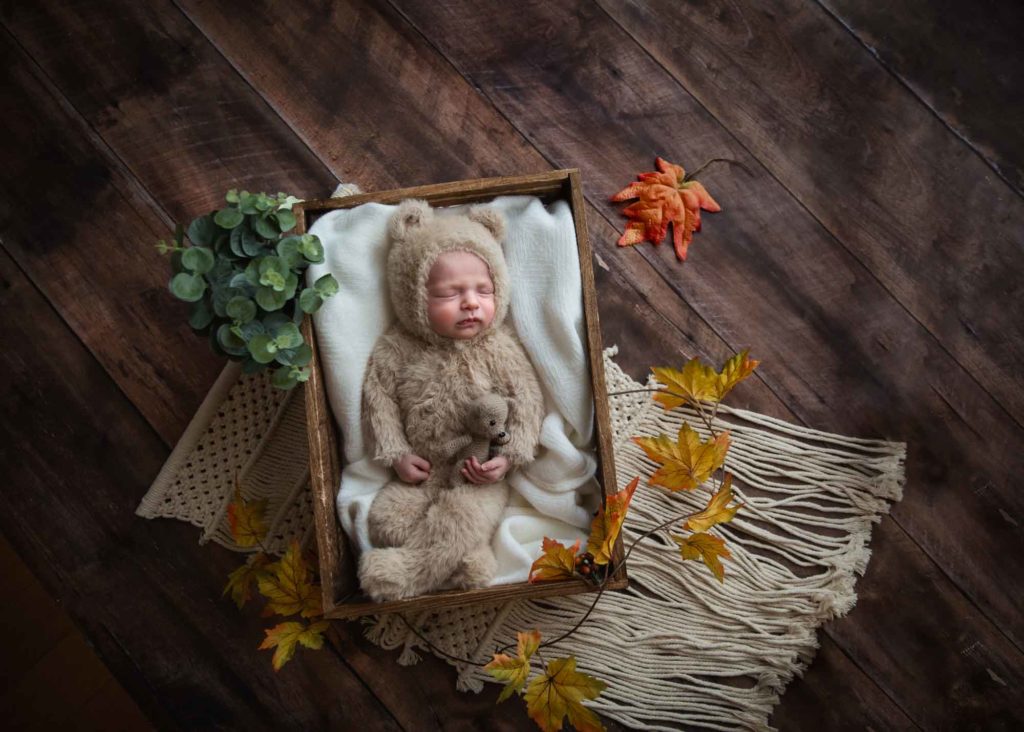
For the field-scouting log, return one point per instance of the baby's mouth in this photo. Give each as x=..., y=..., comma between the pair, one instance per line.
x=468, y=321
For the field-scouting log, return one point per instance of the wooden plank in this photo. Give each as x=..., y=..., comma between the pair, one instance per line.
x=817, y=706
x=964, y=66
x=112, y=290
x=875, y=167
x=77, y=457
x=668, y=326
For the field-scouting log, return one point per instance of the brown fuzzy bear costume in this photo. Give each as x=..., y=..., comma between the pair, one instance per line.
x=418, y=388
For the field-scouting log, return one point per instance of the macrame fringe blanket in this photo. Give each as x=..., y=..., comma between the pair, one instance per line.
x=678, y=648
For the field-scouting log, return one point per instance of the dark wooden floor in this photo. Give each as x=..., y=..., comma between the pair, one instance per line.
x=870, y=253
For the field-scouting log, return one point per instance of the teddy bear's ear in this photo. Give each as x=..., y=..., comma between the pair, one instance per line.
x=491, y=218
x=411, y=214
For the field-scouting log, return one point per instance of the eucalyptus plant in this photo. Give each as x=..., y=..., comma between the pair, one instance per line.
x=242, y=274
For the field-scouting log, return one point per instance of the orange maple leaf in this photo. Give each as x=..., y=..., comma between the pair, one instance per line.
x=687, y=462
x=558, y=562
x=608, y=522
x=664, y=198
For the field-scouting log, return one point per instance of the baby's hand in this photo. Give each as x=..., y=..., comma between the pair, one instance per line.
x=412, y=468
x=490, y=472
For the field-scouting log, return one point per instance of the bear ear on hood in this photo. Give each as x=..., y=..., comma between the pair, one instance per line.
x=411, y=214
x=491, y=218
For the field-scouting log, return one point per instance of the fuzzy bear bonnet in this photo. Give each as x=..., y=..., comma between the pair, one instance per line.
x=418, y=237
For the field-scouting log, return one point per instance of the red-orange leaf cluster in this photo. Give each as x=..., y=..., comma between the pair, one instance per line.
x=664, y=197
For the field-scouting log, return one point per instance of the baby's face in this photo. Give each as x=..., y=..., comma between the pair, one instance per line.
x=460, y=295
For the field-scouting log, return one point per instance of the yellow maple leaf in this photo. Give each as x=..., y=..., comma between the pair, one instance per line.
x=735, y=370
x=687, y=462
x=718, y=510
x=558, y=562
x=695, y=382
x=286, y=637
x=245, y=519
x=604, y=530
x=706, y=548
x=514, y=670
x=241, y=581
x=289, y=588
x=558, y=693
x=698, y=382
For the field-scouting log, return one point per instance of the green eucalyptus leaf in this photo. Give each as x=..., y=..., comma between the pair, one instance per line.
x=285, y=219
x=311, y=248
x=265, y=228
x=296, y=356
x=241, y=309
x=273, y=321
x=199, y=260
x=326, y=286
x=263, y=202
x=270, y=299
x=228, y=218
x=231, y=196
x=286, y=202
x=187, y=287
x=203, y=231
x=262, y=348
x=252, y=245
x=251, y=366
x=252, y=272
x=291, y=283
x=236, y=240
x=288, y=251
x=229, y=341
x=287, y=335
x=250, y=330
x=240, y=281
x=283, y=378
x=310, y=301
x=200, y=314
x=303, y=375
x=247, y=203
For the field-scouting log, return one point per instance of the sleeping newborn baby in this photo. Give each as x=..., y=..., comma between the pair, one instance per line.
x=450, y=345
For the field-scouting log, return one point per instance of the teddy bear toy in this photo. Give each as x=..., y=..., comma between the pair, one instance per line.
x=486, y=433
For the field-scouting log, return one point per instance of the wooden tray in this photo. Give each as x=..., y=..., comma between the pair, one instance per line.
x=342, y=597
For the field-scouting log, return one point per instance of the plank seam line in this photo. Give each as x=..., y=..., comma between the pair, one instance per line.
x=870, y=272
x=906, y=85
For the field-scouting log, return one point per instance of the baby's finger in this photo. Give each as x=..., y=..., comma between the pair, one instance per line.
x=421, y=463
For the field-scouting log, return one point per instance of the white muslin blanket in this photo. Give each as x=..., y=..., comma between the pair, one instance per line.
x=554, y=496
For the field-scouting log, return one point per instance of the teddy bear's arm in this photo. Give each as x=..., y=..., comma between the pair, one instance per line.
x=519, y=384
x=386, y=441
